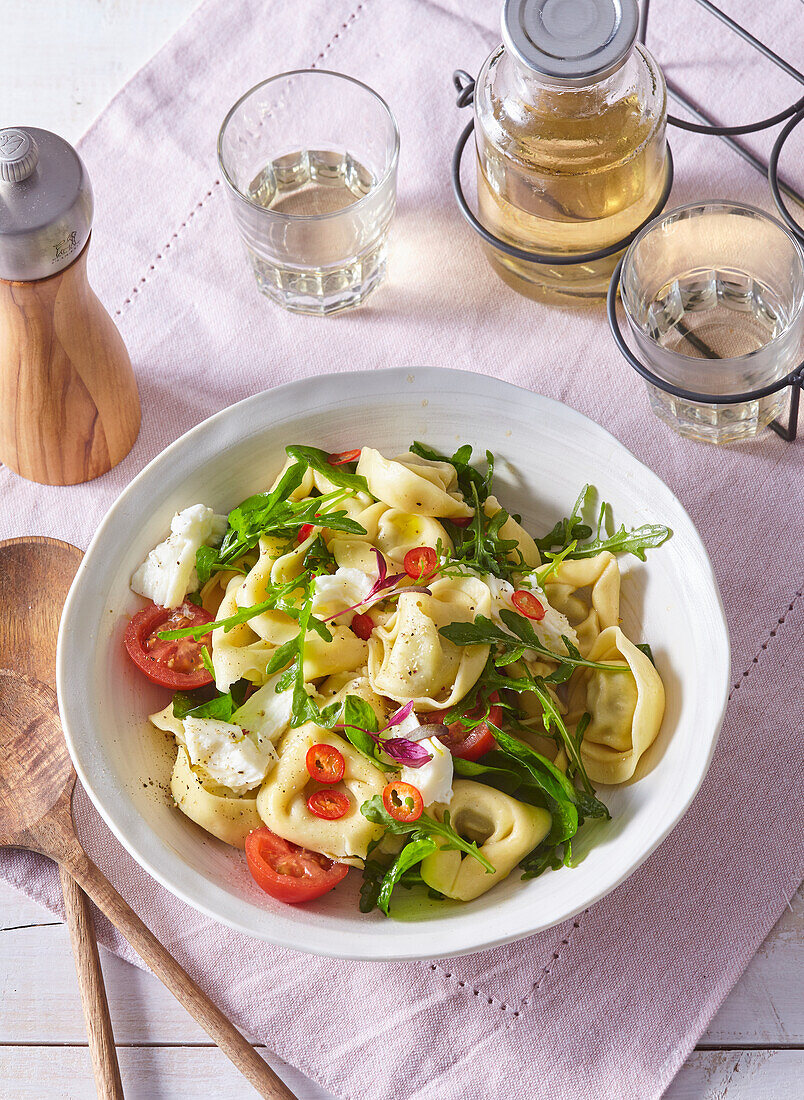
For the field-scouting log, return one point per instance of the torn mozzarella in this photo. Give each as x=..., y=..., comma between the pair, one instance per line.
x=433, y=779
x=168, y=573
x=336, y=591
x=266, y=714
x=226, y=754
x=548, y=630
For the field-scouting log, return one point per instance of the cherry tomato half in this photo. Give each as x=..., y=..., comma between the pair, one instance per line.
x=179, y=664
x=330, y=805
x=462, y=521
x=325, y=763
x=527, y=604
x=288, y=872
x=344, y=456
x=420, y=561
x=403, y=801
x=473, y=743
x=362, y=626
x=305, y=531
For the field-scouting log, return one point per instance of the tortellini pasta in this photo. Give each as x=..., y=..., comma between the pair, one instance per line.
x=626, y=708
x=398, y=532
x=504, y=829
x=601, y=575
x=346, y=683
x=410, y=660
x=225, y=816
x=528, y=550
x=416, y=486
x=282, y=801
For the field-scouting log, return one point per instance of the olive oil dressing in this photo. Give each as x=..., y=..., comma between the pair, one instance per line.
x=570, y=118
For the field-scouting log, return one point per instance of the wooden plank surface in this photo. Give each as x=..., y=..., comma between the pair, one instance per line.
x=60, y=68
x=40, y=1009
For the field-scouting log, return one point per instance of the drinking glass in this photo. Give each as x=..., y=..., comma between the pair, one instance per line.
x=714, y=296
x=309, y=159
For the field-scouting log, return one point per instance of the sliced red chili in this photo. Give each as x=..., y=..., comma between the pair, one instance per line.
x=527, y=604
x=325, y=763
x=330, y=805
x=362, y=626
x=305, y=531
x=420, y=561
x=342, y=457
x=403, y=801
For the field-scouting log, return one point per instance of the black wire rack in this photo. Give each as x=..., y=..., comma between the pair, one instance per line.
x=792, y=116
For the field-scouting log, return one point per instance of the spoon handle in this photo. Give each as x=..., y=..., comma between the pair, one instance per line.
x=177, y=980
x=93, y=994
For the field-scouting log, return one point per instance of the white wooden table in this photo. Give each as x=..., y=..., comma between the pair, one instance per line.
x=62, y=62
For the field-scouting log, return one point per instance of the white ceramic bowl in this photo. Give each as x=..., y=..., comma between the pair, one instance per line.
x=672, y=601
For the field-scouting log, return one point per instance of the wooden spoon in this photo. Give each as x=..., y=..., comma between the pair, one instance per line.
x=35, y=576
x=36, y=790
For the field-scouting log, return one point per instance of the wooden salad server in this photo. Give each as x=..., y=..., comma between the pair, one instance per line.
x=36, y=790
x=35, y=576
x=69, y=408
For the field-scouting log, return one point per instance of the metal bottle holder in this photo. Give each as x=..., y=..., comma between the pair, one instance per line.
x=794, y=114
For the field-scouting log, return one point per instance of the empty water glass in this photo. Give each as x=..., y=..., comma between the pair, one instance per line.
x=309, y=159
x=714, y=296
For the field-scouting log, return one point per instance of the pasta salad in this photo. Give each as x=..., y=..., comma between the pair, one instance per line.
x=374, y=665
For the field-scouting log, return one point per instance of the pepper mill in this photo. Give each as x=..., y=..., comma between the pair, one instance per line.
x=69, y=408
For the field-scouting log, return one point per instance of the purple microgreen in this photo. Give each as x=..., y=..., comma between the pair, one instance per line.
x=405, y=752
x=398, y=716
x=382, y=583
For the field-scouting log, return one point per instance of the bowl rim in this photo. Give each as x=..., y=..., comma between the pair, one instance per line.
x=410, y=942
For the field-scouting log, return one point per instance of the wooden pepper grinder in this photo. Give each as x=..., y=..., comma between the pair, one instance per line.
x=69, y=408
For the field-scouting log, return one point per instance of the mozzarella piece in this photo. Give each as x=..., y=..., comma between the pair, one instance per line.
x=433, y=779
x=226, y=754
x=168, y=573
x=336, y=591
x=266, y=714
x=548, y=630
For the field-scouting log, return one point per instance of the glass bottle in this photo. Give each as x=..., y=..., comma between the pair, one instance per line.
x=570, y=116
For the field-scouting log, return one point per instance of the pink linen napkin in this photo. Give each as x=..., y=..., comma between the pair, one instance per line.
x=608, y=1004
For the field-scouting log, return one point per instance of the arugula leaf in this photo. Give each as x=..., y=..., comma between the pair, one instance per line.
x=570, y=528
x=318, y=460
x=412, y=854
x=484, y=632
x=561, y=792
x=282, y=656
x=552, y=781
x=479, y=545
x=647, y=651
x=359, y=716
x=635, y=541
x=206, y=661
x=424, y=826
x=198, y=632
x=278, y=599
x=573, y=529
x=543, y=858
x=303, y=708
x=205, y=558
x=221, y=706
x=373, y=874
x=504, y=779
x=469, y=478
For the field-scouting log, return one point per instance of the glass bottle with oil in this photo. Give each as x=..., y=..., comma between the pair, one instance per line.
x=570, y=116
